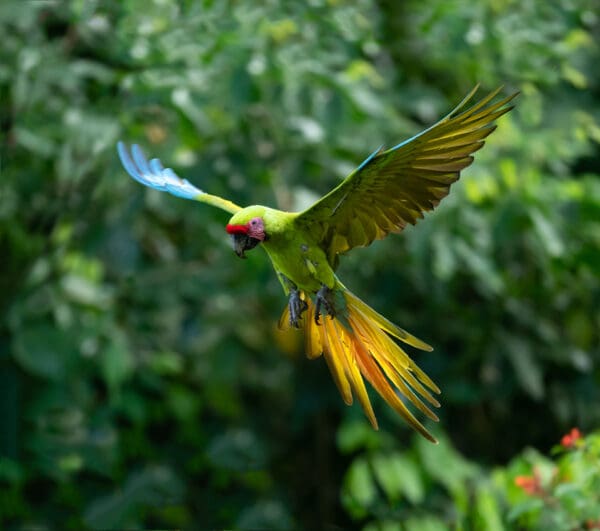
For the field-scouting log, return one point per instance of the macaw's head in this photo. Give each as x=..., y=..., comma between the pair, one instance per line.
x=247, y=230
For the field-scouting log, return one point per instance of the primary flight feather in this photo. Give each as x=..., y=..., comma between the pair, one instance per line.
x=388, y=190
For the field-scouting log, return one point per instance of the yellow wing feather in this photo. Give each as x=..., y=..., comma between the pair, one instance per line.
x=395, y=187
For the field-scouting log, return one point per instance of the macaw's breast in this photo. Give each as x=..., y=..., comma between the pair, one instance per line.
x=295, y=254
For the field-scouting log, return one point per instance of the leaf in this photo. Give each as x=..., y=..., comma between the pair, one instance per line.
x=153, y=487
x=311, y=129
x=269, y=514
x=527, y=369
x=425, y=523
x=116, y=360
x=480, y=266
x=34, y=142
x=398, y=475
x=529, y=506
x=386, y=525
x=576, y=77
x=359, y=491
x=356, y=435
x=45, y=350
x=237, y=450
x=487, y=511
x=445, y=465
x=84, y=291
x=444, y=260
x=547, y=234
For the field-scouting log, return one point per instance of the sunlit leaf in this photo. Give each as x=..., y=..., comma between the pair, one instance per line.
x=359, y=490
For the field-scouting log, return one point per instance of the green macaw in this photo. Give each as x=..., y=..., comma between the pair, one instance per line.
x=388, y=190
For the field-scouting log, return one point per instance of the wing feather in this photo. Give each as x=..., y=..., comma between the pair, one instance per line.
x=154, y=175
x=396, y=186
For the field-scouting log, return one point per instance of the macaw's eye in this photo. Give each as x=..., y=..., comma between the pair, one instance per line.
x=253, y=222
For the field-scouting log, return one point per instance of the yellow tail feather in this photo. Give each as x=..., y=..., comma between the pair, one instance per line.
x=361, y=347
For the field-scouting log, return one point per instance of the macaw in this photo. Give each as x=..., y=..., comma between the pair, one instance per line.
x=389, y=189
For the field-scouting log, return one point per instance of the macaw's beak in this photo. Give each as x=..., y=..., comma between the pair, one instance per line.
x=243, y=242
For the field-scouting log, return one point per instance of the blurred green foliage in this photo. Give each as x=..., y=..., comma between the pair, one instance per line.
x=142, y=381
x=438, y=485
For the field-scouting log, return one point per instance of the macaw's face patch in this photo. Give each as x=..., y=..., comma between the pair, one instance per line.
x=254, y=228
x=248, y=236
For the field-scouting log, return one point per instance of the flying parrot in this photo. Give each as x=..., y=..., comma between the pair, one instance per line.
x=389, y=189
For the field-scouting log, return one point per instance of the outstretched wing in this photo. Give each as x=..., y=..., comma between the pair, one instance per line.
x=394, y=187
x=154, y=175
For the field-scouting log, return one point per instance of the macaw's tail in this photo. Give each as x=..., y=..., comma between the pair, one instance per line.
x=358, y=343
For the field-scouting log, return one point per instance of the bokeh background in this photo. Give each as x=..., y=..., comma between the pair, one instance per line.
x=143, y=382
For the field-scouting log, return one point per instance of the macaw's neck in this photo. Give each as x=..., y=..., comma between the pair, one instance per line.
x=278, y=221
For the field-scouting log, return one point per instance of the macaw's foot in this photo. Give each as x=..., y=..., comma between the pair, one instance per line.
x=297, y=307
x=324, y=300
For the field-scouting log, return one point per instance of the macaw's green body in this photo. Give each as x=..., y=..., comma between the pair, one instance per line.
x=388, y=190
x=294, y=252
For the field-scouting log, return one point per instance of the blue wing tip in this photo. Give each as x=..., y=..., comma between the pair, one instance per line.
x=121, y=150
x=152, y=174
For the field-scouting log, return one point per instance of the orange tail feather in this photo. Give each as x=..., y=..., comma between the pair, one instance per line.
x=360, y=346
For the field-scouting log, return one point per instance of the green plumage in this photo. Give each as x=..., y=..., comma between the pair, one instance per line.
x=295, y=253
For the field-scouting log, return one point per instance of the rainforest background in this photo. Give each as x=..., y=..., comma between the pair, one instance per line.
x=143, y=382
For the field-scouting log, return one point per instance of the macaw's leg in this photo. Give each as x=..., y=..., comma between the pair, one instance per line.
x=324, y=300
x=297, y=308
x=296, y=305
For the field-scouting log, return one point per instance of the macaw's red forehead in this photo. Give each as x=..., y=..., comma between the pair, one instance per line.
x=236, y=229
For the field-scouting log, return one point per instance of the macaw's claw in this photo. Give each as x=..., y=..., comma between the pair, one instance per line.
x=324, y=300
x=297, y=308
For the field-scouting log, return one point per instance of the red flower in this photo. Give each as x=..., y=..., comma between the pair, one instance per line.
x=530, y=484
x=570, y=439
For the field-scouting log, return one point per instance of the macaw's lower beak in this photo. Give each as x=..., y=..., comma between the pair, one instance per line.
x=242, y=243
